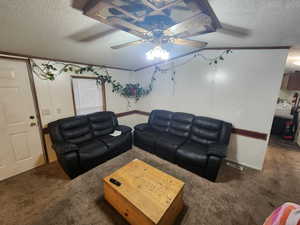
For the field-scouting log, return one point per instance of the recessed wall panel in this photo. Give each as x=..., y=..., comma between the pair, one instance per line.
x=20, y=146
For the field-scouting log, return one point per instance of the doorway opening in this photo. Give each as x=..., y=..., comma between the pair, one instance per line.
x=284, y=142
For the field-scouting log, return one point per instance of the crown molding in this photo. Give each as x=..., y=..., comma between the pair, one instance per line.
x=211, y=49
x=12, y=54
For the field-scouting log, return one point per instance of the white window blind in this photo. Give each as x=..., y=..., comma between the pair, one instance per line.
x=87, y=96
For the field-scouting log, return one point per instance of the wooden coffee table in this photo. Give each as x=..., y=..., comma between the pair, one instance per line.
x=146, y=196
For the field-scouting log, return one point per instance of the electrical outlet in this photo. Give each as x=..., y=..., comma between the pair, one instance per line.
x=46, y=112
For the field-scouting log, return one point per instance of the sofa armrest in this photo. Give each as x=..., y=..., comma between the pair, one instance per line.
x=124, y=129
x=217, y=150
x=62, y=148
x=141, y=127
x=68, y=157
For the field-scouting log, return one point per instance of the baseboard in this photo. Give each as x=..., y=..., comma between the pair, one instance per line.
x=245, y=165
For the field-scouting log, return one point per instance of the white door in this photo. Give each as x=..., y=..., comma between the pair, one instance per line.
x=21, y=147
x=87, y=95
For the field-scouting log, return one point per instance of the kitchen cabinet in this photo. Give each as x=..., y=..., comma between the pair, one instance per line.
x=291, y=81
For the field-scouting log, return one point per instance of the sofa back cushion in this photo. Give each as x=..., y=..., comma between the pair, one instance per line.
x=75, y=130
x=181, y=124
x=208, y=131
x=160, y=120
x=102, y=123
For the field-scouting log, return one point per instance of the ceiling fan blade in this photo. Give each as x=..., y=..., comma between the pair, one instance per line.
x=129, y=27
x=190, y=27
x=192, y=43
x=99, y=35
x=91, y=34
x=235, y=31
x=132, y=43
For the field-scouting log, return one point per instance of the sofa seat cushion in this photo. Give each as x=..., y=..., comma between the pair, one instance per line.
x=146, y=139
x=192, y=155
x=117, y=143
x=92, y=154
x=167, y=145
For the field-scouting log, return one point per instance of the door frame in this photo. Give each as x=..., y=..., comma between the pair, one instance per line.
x=103, y=89
x=35, y=101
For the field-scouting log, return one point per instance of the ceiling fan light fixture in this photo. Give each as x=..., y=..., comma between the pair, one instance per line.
x=159, y=53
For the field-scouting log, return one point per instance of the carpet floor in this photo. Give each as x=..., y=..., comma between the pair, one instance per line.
x=45, y=195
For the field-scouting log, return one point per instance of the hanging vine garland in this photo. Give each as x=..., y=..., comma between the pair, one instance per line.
x=172, y=69
x=49, y=71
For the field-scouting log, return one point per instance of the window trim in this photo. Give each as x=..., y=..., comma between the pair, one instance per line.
x=103, y=89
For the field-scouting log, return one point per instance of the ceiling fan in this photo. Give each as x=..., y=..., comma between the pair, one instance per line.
x=158, y=21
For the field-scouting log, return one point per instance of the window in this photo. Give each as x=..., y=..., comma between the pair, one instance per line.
x=88, y=96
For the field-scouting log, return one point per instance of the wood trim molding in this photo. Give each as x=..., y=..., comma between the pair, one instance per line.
x=122, y=114
x=37, y=109
x=142, y=112
x=73, y=96
x=59, y=60
x=249, y=133
x=83, y=77
x=237, y=131
x=250, y=48
x=132, y=112
x=209, y=49
x=103, y=89
x=13, y=58
x=15, y=55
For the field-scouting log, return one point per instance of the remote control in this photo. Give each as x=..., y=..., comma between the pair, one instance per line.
x=115, y=182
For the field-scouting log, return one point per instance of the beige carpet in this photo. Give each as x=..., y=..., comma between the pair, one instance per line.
x=45, y=196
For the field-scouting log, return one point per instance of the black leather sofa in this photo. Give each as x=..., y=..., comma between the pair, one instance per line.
x=193, y=142
x=83, y=142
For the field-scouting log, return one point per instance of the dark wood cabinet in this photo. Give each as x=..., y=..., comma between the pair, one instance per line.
x=291, y=81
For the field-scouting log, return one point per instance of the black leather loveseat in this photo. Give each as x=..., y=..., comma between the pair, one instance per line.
x=195, y=143
x=83, y=142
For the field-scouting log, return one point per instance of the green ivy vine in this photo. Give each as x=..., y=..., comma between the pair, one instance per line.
x=50, y=70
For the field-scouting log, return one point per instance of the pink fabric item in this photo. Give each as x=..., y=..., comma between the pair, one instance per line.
x=287, y=214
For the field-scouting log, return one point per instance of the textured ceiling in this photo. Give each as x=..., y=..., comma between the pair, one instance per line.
x=46, y=28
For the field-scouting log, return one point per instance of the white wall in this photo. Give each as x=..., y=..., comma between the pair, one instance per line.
x=133, y=120
x=56, y=101
x=242, y=90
